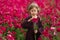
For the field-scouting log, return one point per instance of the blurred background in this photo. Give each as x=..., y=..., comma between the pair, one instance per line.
x=12, y=12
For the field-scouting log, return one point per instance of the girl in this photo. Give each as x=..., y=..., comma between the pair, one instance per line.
x=29, y=22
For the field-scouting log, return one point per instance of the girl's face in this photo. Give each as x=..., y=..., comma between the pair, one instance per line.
x=34, y=11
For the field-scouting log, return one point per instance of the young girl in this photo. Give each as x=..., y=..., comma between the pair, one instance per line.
x=29, y=22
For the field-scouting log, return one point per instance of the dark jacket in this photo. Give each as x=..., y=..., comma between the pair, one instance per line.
x=30, y=35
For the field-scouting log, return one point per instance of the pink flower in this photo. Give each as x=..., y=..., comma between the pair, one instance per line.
x=10, y=37
x=52, y=28
x=55, y=33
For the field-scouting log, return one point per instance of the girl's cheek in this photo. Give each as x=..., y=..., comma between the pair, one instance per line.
x=32, y=12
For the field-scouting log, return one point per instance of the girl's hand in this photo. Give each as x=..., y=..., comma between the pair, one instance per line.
x=32, y=18
x=35, y=31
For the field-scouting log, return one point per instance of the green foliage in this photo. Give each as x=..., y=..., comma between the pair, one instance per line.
x=19, y=34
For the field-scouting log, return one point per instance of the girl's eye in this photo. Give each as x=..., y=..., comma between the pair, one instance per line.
x=33, y=10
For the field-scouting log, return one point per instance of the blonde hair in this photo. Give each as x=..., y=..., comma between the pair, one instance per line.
x=34, y=4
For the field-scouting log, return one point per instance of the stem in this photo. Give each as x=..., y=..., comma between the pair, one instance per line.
x=35, y=36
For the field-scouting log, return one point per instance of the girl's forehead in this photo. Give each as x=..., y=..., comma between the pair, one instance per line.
x=34, y=7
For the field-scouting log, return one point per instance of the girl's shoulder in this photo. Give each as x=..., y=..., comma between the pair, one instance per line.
x=39, y=18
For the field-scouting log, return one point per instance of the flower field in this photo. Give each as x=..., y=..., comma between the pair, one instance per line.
x=12, y=12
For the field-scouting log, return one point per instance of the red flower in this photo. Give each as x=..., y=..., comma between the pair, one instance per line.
x=45, y=32
x=39, y=38
x=0, y=38
x=3, y=29
x=1, y=32
x=35, y=20
x=17, y=25
x=13, y=33
x=58, y=29
x=50, y=37
x=58, y=24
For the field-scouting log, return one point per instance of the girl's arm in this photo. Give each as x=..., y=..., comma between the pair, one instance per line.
x=24, y=24
x=40, y=26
